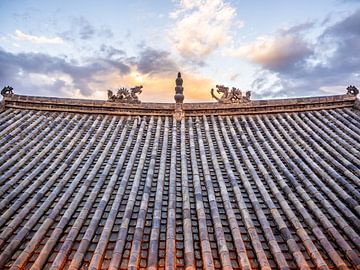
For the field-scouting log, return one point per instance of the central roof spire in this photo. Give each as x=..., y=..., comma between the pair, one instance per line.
x=179, y=96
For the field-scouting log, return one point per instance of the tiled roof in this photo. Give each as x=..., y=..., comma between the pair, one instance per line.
x=212, y=191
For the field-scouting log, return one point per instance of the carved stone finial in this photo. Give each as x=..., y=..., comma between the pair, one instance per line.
x=7, y=91
x=234, y=95
x=179, y=96
x=352, y=90
x=125, y=95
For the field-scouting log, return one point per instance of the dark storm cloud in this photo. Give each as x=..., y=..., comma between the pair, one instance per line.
x=16, y=67
x=153, y=61
x=308, y=73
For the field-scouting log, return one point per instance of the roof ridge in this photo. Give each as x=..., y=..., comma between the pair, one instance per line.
x=188, y=109
x=232, y=101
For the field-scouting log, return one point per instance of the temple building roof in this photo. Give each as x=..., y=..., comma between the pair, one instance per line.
x=231, y=184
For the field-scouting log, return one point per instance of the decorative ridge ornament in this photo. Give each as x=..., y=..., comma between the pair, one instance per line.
x=7, y=91
x=179, y=96
x=352, y=90
x=234, y=95
x=125, y=95
x=179, y=113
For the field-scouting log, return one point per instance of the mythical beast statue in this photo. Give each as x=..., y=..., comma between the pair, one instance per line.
x=233, y=95
x=125, y=95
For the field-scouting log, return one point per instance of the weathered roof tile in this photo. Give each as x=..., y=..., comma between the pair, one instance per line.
x=228, y=191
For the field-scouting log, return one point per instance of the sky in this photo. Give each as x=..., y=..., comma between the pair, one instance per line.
x=274, y=48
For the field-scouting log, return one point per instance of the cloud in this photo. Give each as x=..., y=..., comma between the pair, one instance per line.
x=297, y=29
x=234, y=76
x=269, y=85
x=19, y=35
x=18, y=67
x=85, y=30
x=81, y=28
x=111, y=52
x=42, y=74
x=276, y=53
x=201, y=27
x=153, y=61
x=341, y=62
x=291, y=64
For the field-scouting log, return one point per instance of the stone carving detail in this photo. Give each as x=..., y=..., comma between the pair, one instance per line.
x=352, y=90
x=233, y=95
x=125, y=95
x=7, y=91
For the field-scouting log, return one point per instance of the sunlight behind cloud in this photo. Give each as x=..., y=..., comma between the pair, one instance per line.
x=156, y=88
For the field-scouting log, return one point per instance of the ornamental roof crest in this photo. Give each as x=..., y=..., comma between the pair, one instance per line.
x=233, y=95
x=125, y=95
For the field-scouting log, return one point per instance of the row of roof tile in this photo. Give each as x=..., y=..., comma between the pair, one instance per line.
x=84, y=191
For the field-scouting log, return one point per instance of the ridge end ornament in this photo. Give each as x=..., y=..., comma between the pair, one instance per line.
x=7, y=91
x=352, y=90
